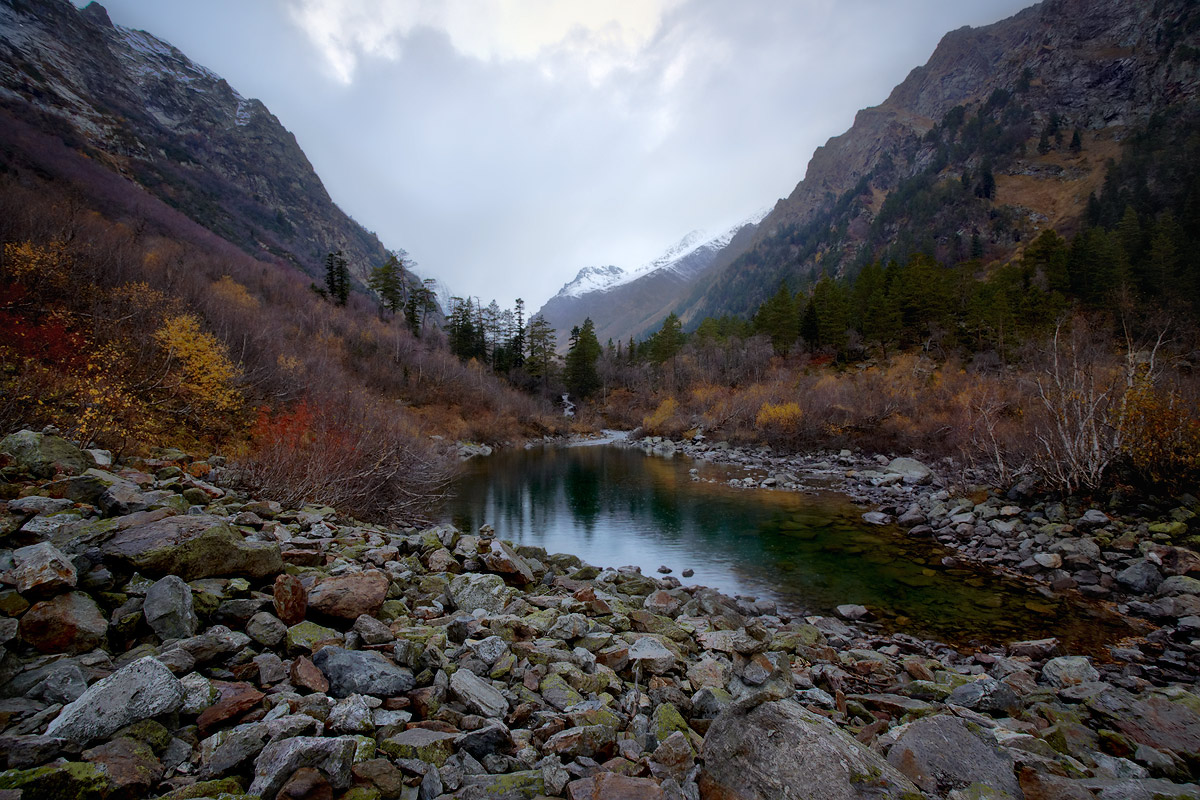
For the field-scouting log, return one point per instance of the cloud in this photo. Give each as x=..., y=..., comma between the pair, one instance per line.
x=600, y=37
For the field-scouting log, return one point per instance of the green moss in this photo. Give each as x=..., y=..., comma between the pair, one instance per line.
x=73, y=779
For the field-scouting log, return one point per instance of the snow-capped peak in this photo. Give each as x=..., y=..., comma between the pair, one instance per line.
x=592, y=279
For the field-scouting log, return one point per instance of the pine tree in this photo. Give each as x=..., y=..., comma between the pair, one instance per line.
x=581, y=376
x=388, y=281
x=540, y=363
x=337, y=278
x=668, y=341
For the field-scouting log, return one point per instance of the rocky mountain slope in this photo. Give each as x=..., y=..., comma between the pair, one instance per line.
x=138, y=105
x=624, y=304
x=166, y=637
x=1002, y=100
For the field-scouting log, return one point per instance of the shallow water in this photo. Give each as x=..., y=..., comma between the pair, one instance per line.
x=614, y=506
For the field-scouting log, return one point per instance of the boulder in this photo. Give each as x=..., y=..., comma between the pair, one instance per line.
x=69, y=623
x=169, y=610
x=291, y=599
x=349, y=596
x=910, y=470
x=613, y=786
x=192, y=547
x=478, y=695
x=1141, y=578
x=43, y=454
x=489, y=592
x=778, y=751
x=503, y=559
x=279, y=760
x=362, y=672
x=1067, y=671
x=941, y=753
x=42, y=569
x=143, y=689
x=652, y=655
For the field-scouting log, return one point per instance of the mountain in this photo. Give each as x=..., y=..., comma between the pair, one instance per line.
x=624, y=304
x=140, y=107
x=976, y=151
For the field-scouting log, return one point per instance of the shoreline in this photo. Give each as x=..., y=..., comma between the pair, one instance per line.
x=439, y=663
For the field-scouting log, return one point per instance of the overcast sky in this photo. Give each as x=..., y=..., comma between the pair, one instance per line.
x=505, y=144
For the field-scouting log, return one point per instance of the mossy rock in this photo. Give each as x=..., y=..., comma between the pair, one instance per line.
x=302, y=636
x=149, y=732
x=665, y=721
x=74, y=779
x=215, y=788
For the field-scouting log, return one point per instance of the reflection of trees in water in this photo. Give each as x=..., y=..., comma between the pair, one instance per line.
x=807, y=553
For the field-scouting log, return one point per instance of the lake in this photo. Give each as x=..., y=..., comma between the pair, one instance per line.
x=615, y=506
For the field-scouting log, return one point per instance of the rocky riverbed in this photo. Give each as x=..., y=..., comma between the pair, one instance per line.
x=167, y=637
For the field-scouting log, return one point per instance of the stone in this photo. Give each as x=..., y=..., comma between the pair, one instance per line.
x=1048, y=560
x=1177, y=585
x=986, y=695
x=279, y=760
x=1141, y=578
x=503, y=559
x=489, y=592
x=1036, y=649
x=372, y=631
x=521, y=785
x=1153, y=721
x=753, y=752
x=69, y=623
x=305, y=637
x=478, y=695
x=941, y=753
x=143, y=689
x=74, y=779
x=131, y=765
x=306, y=783
x=192, y=547
x=652, y=655
x=483, y=742
x=305, y=675
x=432, y=747
x=235, y=699
x=266, y=629
x=362, y=672
x=1067, y=671
x=168, y=609
x=290, y=598
x=593, y=741
x=558, y=693
x=351, y=715
x=489, y=650
x=613, y=786
x=852, y=611
x=347, y=597
x=569, y=627
x=42, y=569
x=876, y=518
x=43, y=455
x=910, y=470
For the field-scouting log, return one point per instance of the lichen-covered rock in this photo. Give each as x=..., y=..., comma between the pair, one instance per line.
x=279, y=760
x=489, y=592
x=42, y=569
x=169, y=609
x=43, y=454
x=192, y=547
x=139, y=691
x=941, y=753
x=780, y=751
x=478, y=695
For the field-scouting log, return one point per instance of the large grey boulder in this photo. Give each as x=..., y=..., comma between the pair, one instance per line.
x=144, y=689
x=169, y=610
x=780, y=751
x=278, y=760
x=362, y=672
x=44, y=454
x=1141, y=578
x=910, y=470
x=479, y=695
x=489, y=592
x=42, y=569
x=940, y=754
x=192, y=547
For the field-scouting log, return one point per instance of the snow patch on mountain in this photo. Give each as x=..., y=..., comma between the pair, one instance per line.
x=602, y=279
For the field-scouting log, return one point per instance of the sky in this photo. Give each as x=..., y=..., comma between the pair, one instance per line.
x=506, y=144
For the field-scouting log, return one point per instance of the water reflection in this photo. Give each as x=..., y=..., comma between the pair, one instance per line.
x=613, y=506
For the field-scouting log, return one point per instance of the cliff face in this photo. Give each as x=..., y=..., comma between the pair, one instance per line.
x=144, y=109
x=1097, y=66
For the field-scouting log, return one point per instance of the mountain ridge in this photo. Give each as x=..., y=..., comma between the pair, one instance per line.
x=176, y=128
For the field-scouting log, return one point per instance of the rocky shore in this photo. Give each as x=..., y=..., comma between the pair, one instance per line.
x=167, y=637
